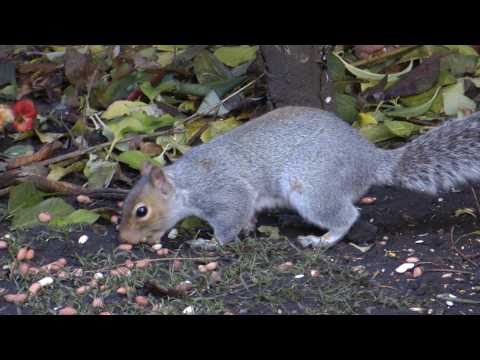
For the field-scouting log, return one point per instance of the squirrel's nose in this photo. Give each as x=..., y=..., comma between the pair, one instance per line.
x=129, y=236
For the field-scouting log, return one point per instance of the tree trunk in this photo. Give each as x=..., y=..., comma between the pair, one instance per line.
x=295, y=76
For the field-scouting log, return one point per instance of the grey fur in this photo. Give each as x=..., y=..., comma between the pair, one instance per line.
x=311, y=161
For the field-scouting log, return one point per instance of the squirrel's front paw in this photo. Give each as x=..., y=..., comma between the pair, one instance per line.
x=323, y=242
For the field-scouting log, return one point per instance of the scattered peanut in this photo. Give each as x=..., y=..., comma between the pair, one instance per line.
x=33, y=270
x=34, y=288
x=285, y=266
x=30, y=254
x=83, y=199
x=22, y=253
x=417, y=272
x=17, y=299
x=368, y=200
x=122, y=291
x=97, y=303
x=82, y=290
x=141, y=264
x=44, y=217
x=211, y=266
x=184, y=286
x=141, y=300
x=68, y=310
x=125, y=247
x=162, y=252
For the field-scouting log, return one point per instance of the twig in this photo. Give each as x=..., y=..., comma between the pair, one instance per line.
x=384, y=56
x=5, y=191
x=44, y=152
x=197, y=115
x=456, y=249
x=62, y=187
x=447, y=297
x=449, y=271
x=476, y=200
x=81, y=152
x=153, y=260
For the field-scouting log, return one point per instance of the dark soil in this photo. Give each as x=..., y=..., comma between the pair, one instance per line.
x=406, y=224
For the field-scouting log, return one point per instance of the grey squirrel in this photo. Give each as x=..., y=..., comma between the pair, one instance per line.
x=302, y=158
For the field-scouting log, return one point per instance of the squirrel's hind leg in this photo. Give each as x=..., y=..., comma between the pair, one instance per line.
x=335, y=215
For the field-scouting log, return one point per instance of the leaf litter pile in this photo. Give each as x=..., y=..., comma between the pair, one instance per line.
x=77, y=123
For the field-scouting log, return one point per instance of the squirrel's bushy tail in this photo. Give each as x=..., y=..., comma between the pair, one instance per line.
x=444, y=157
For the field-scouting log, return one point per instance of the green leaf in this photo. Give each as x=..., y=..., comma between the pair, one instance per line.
x=236, y=55
x=424, y=52
x=336, y=69
x=117, y=89
x=219, y=127
x=48, y=137
x=346, y=107
x=454, y=100
x=19, y=150
x=28, y=217
x=209, y=69
x=9, y=92
x=191, y=224
x=224, y=86
x=24, y=195
x=149, y=91
x=377, y=133
x=177, y=142
x=410, y=112
x=122, y=108
x=366, y=119
x=272, y=232
x=138, y=123
x=58, y=172
x=463, y=49
x=459, y=65
x=80, y=216
x=368, y=75
x=402, y=129
x=187, y=106
x=99, y=172
x=134, y=159
x=170, y=48
x=420, y=99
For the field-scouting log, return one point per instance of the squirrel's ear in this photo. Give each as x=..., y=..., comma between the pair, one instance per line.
x=159, y=180
x=146, y=168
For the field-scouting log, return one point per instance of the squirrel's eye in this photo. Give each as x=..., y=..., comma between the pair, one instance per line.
x=142, y=211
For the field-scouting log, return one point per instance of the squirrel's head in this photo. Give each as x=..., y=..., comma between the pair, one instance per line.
x=148, y=208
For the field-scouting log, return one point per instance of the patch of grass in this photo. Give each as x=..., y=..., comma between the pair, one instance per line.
x=251, y=281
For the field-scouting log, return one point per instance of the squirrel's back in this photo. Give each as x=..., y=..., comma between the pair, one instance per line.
x=287, y=143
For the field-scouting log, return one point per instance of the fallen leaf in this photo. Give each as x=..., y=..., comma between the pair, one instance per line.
x=236, y=55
